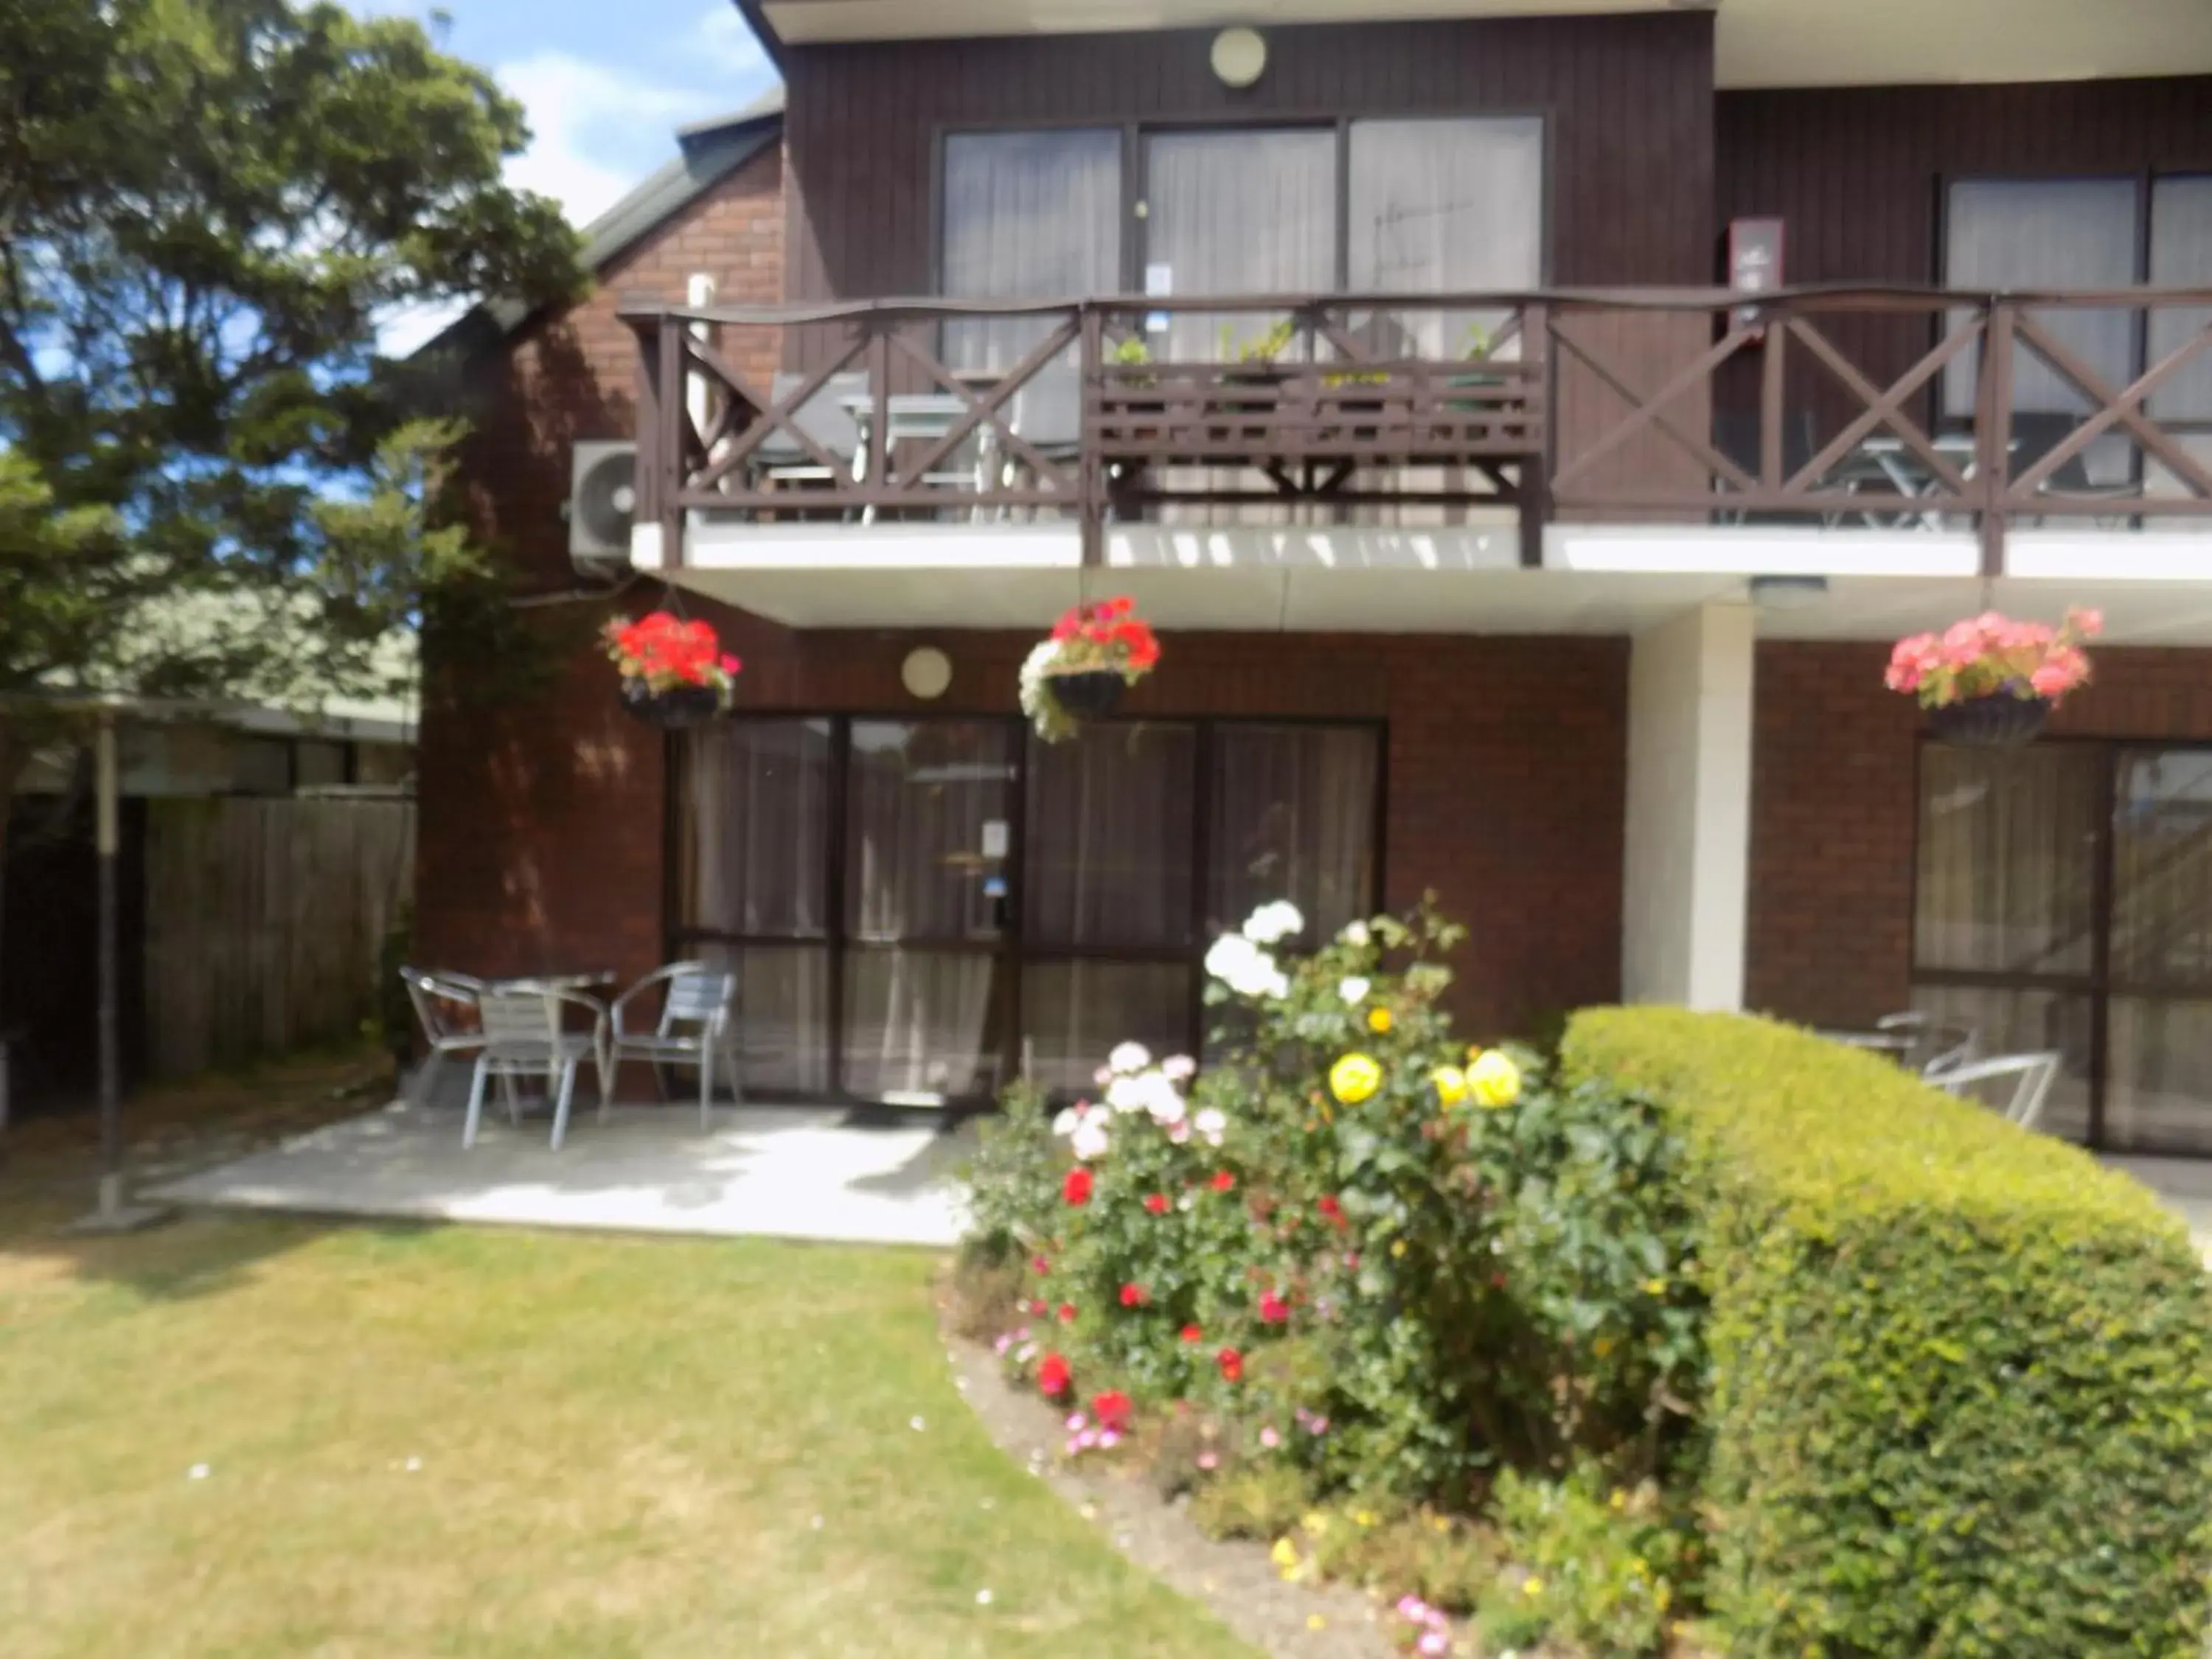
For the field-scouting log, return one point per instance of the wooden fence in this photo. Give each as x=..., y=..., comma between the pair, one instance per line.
x=264, y=920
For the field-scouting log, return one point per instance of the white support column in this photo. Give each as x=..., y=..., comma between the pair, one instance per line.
x=1687, y=872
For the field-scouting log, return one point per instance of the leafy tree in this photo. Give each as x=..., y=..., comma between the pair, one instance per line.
x=211, y=484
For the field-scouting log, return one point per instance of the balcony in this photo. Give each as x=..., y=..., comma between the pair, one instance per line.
x=1899, y=432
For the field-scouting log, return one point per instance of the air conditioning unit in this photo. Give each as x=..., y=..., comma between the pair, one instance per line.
x=601, y=504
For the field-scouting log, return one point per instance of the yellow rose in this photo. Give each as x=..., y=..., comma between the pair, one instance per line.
x=1285, y=1554
x=1355, y=1078
x=1378, y=1020
x=1531, y=1587
x=1494, y=1079
x=1451, y=1085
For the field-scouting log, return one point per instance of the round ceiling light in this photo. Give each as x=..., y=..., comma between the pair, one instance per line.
x=1239, y=56
x=926, y=672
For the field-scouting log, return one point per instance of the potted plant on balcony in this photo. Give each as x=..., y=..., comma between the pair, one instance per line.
x=674, y=672
x=1988, y=682
x=1096, y=651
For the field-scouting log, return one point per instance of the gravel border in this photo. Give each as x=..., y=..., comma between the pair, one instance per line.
x=1234, y=1579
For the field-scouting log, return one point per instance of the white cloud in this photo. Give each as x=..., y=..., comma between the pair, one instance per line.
x=723, y=37
x=595, y=130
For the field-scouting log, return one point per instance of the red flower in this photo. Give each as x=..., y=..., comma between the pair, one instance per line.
x=1053, y=1377
x=1133, y=1296
x=1076, y=1190
x=1223, y=1180
x=1067, y=1313
x=1192, y=1333
x=1232, y=1364
x=1156, y=1203
x=1328, y=1206
x=1112, y=1409
x=1038, y=1309
x=1274, y=1310
x=1042, y=1264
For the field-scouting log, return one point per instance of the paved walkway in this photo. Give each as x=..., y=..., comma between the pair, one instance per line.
x=2183, y=1185
x=786, y=1172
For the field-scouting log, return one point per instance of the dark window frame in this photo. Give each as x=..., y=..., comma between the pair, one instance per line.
x=1013, y=946
x=2099, y=986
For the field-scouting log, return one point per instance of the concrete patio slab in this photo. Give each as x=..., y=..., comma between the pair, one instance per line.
x=2183, y=1185
x=824, y=1174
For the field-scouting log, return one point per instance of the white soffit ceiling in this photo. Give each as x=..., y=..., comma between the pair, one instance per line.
x=1762, y=43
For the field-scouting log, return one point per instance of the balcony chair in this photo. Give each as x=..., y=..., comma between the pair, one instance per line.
x=1047, y=414
x=782, y=462
x=697, y=1024
x=2033, y=1076
x=2035, y=434
x=1739, y=436
x=524, y=1036
x=446, y=1009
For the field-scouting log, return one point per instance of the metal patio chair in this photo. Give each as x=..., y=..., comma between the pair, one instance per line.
x=697, y=1024
x=524, y=1036
x=2033, y=1075
x=439, y=997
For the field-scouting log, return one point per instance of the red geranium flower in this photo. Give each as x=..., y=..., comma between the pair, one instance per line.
x=1076, y=1190
x=1112, y=1409
x=1232, y=1364
x=1067, y=1313
x=1133, y=1296
x=1040, y=1264
x=1039, y=1309
x=1223, y=1180
x=1192, y=1333
x=1328, y=1206
x=1156, y=1203
x=1274, y=1310
x=1053, y=1377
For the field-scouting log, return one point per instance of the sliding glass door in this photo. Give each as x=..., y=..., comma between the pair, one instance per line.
x=2064, y=902
x=920, y=907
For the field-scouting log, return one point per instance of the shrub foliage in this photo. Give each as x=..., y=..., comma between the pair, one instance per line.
x=1961, y=1376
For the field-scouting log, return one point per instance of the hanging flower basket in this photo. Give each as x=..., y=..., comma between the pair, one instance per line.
x=674, y=672
x=1096, y=653
x=1990, y=682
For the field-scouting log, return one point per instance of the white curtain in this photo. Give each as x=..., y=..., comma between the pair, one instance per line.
x=1027, y=215
x=1074, y=1014
x=1294, y=818
x=2044, y=234
x=2181, y=257
x=1110, y=836
x=1234, y=213
x=2159, y=1095
x=1442, y=206
x=2008, y=860
x=756, y=834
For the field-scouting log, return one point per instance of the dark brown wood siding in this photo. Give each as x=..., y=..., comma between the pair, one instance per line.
x=1857, y=175
x=1628, y=101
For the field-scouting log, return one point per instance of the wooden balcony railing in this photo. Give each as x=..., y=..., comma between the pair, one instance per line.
x=1836, y=408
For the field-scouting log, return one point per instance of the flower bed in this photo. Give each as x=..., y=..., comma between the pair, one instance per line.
x=1342, y=1283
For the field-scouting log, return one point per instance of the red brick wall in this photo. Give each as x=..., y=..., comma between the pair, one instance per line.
x=540, y=843
x=1835, y=807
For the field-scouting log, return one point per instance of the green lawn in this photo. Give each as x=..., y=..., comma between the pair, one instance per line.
x=622, y=1448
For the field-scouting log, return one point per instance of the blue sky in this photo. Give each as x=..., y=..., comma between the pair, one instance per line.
x=606, y=81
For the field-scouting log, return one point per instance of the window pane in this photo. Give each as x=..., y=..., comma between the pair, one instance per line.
x=2025, y=1022
x=2044, y=234
x=2158, y=1096
x=1440, y=207
x=1233, y=213
x=919, y=1024
x=1111, y=832
x=2181, y=257
x=319, y=765
x=1294, y=818
x=2008, y=859
x=2162, y=872
x=1074, y=1014
x=757, y=828
x=1029, y=215
x=783, y=1015
x=929, y=811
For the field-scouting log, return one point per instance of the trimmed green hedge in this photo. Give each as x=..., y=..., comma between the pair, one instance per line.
x=1961, y=1376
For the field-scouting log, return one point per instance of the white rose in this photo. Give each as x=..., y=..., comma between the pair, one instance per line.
x=1212, y=1125
x=1355, y=932
x=1066, y=1123
x=1230, y=955
x=1125, y=1094
x=1273, y=921
x=1089, y=1140
x=1179, y=1133
x=1180, y=1067
x=1129, y=1057
x=1352, y=990
x=1162, y=1100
